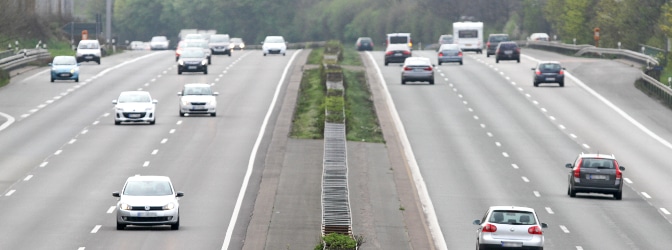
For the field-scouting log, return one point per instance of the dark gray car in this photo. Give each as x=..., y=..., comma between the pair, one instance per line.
x=595, y=173
x=493, y=41
x=397, y=53
x=549, y=72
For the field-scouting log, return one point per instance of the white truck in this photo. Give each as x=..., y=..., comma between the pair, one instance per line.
x=469, y=35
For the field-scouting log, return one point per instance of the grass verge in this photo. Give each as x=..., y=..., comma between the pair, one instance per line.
x=308, y=122
x=315, y=56
x=361, y=119
x=351, y=57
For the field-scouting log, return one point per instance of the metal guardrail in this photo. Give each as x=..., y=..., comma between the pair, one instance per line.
x=580, y=50
x=23, y=57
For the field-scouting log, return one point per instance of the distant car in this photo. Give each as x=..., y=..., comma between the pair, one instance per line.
x=220, y=44
x=507, y=51
x=137, y=45
x=549, y=72
x=192, y=60
x=397, y=53
x=237, y=43
x=364, y=43
x=539, y=37
x=148, y=201
x=595, y=173
x=88, y=50
x=274, y=45
x=197, y=98
x=493, y=41
x=417, y=69
x=504, y=227
x=202, y=44
x=64, y=68
x=159, y=43
x=450, y=53
x=399, y=38
x=134, y=106
x=193, y=37
x=446, y=39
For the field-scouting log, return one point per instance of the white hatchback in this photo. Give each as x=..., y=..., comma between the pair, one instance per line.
x=134, y=106
x=509, y=226
x=148, y=201
x=197, y=98
x=274, y=45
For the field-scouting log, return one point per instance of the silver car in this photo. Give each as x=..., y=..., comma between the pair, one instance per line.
x=450, y=53
x=134, y=106
x=417, y=69
x=197, y=98
x=148, y=201
x=510, y=227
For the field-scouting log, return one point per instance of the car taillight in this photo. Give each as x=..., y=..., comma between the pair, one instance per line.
x=535, y=230
x=517, y=50
x=619, y=174
x=489, y=228
x=428, y=69
x=538, y=72
x=407, y=69
x=562, y=72
x=389, y=53
x=488, y=44
x=459, y=53
x=577, y=170
x=406, y=52
x=440, y=53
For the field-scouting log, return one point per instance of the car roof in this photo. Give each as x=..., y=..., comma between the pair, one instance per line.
x=148, y=178
x=597, y=155
x=515, y=208
x=545, y=62
x=135, y=92
x=413, y=59
x=197, y=85
x=450, y=46
x=499, y=34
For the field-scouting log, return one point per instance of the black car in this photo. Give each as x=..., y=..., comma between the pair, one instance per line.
x=507, y=51
x=595, y=173
x=397, y=53
x=364, y=43
x=549, y=72
x=192, y=60
x=493, y=41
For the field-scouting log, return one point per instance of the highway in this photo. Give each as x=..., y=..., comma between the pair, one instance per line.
x=483, y=136
x=63, y=156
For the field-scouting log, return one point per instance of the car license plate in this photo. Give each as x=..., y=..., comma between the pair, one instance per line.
x=397, y=54
x=88, y=57
x=550, y=79
x=468, y=44
x=508, y=52
x=199, y=108
x=597, y=177
x=146, y=214
x=512, y=244
x=191, y=67
x=64, y=74
x=134, y=115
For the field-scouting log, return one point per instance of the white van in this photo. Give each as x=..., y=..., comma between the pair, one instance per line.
x=538, y=37
x=88, y=50
x=469, y=35
x=399, y=38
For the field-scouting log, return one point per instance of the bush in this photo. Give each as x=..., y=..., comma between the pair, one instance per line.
x=336, y=241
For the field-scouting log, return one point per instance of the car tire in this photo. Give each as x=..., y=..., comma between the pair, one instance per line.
x=562, y=84
x=213, y=114
x=283, y=54
x=98, y=61
x=496, y=60
x=431, y=82
x=120, y=226
x=536, y=84
x=386, y=63
x=518, y=60
x=152, y=122
x=487, y=54
x=179, y=72
x=176, y=226
x=181, y=114
x=117, y=122
x=460, y=62
x=619, y=195
x=209, y=61
x=205, y=72
x=439, y=63
x=572, y=192
x=264, y=54
x=77, y=79
x=52, y=79
x=403, y=82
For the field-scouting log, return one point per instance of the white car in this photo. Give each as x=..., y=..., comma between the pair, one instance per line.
x=510, y=227
x=274, y=45
x=88, y=50
x=148, y=201
x=197, y=98
x=134, y=106
x=159, y=42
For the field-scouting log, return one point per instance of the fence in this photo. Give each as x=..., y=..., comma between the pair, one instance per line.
x=11, y=60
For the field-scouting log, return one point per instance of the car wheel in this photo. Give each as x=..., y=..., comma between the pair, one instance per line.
x=403, y=81
x=152, y=122
x=205, y=72
x=181, y=113
x=120, y=226
x=213, y=114
x=98, y=61
x=572, y=192
x=562, y=84
x=229, y=54
x=117, y=122
x=176, y=226
x=496, y=60
x=536, y=84
x=386, y=63
x=264, y=54
x=439, y=63
x=283, y=54
x=179, y=72
x=487, y=54
x=460, y=62
x=77, y=79
x=209, y=61
x=52, y=79
x=518, y=60
x=431, y=82
x=619, y=195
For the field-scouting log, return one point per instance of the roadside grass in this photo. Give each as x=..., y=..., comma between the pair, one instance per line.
x=351, y=57
x=4, y=77
x=315, y=56
x=308, y=122
x=361, y=119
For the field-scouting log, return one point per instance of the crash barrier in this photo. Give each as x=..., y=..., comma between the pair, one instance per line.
x=581, y=50
x=23, y=57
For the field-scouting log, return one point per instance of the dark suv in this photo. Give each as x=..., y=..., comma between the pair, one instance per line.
x=507, y=51
x=493, y=41
x=595, y=173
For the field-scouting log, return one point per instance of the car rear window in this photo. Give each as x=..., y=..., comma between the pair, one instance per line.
x=398, y=39
x=512, y=217
x=499, y=38
x=597, y=163
x=508, y=45
x=549, y=66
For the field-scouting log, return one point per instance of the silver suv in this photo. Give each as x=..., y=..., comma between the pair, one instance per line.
x=595, y=173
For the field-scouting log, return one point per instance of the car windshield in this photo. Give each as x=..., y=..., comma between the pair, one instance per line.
x=148, y=188
x=597, y=163
x=398, y=39
x=192, y=53
x=88, y=45
x=201, y=90
x=274, y=40
x=134, y=97
x=467, y=34
x=195, y=44
x=64, y=60
x=512, y=217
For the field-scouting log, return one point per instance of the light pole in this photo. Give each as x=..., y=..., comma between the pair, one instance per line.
x=108, y=20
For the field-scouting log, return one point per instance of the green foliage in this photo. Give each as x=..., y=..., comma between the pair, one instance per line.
x=334, y=109
x=308, y=122
x=316, y=56
x=361, y=118
x=339, y=242
x=4, y=77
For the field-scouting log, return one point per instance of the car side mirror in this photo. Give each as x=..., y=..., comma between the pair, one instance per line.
x=622, y=168
x=215, y=93
x=564, y=69
x=544, y=225
x=116, y=194
x=569, y=165
x=534, y=69
x=477, y=222
x=179, y=194
x=114, y=102
x=179, y=93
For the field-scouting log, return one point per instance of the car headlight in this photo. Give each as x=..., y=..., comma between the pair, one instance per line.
x=180, y=62
x=231, y=45
x=242, y=45
x=204, y=62
x=169, y=206
x=72, y=71
x=124, y=206
x=185, y=103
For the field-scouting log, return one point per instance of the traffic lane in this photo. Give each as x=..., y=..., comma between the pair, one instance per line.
x=545, y=166
x=30, y=141
x=615, y=124
x=210, y=160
